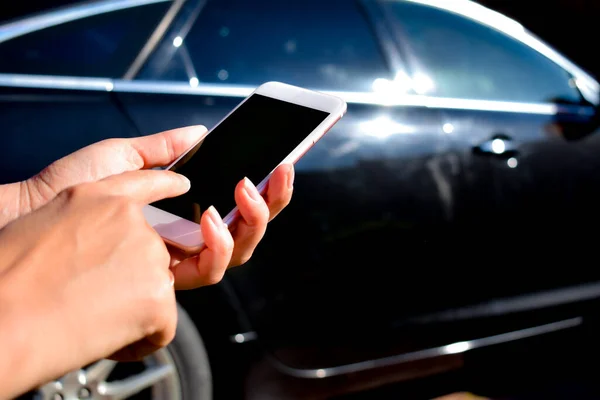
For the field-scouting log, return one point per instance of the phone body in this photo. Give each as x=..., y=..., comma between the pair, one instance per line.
x=277, y=124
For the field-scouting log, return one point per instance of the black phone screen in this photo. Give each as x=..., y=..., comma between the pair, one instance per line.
x=256, y=137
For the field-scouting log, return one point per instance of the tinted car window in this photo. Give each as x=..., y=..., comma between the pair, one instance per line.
x=322, y=44
x=18, y=9
x=100, y=46
x=465, y=59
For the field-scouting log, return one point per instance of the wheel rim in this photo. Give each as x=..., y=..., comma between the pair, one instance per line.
x=93, y=383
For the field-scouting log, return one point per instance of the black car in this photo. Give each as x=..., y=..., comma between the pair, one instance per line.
x=452, y=209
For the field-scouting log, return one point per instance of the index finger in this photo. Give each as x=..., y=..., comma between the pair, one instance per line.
x=147, y=186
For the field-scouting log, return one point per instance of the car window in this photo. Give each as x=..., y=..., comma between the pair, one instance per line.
x=320, y=44
x=99, y=46
x=464, y=59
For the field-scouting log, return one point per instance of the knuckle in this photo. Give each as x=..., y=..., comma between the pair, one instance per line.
x=162, y=315
x=130, y=154
x=224, y=245
x=214, y=277
x=260, y=216
x=152, y=319
x=171, y=329
x=278, y=205
x=228, y=245
x=284, y=201
x=168, y=146
x=244, y=258
x=127, y=209
x=77, y=192
x=73, y=191
x=166, y=330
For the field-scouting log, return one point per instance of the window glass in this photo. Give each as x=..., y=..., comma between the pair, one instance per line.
x=99, y=46
x=459, y=57
x=319, y=44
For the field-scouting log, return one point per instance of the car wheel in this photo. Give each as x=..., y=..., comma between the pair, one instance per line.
x=180, y=371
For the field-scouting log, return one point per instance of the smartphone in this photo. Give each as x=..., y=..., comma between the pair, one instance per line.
x=276, y=124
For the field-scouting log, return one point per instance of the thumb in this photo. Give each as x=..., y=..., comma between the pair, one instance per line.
x=146, y=186
x=163, y=148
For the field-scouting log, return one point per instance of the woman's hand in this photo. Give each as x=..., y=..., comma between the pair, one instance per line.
x=229, y=250
x=82, y=274
x=106, y=158
x=84, y=277
x=116, y=156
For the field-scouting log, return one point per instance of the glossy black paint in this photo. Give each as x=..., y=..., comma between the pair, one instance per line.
x=399, y=212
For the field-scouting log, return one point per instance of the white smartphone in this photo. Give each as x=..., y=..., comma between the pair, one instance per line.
x=277, y=124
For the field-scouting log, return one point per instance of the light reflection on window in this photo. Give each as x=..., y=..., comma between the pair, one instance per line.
x=468, y=60
x=383, y=127
x=419, y=83
x=177, y=41
x=315, y=44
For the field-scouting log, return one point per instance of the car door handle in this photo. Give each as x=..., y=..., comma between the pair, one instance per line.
x=498, y=145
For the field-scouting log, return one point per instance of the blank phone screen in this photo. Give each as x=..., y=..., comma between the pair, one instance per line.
x=255, y=138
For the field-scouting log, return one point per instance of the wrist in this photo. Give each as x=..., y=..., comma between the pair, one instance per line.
x=18, y=199
x=39, y=338
x=17, y=353
x=34, y=344
x=35, y=339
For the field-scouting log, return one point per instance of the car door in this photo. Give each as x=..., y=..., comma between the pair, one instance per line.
x=56, y=81
x=527, y=142
x=372, y=197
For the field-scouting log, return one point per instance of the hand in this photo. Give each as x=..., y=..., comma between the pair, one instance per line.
x=115, y=156
x=107, y=158
x=84, y=276
x=221, y=252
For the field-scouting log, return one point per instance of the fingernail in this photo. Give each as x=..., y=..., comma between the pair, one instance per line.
x=196, y=132
x=290, y=177
x=214, y=217
x=251, y=190
x=185, y=182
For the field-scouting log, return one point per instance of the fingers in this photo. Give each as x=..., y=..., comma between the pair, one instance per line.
x=163, y=148
x=111, y=157
x=210, y=265
x=255, y=212
x=146, y=186
x=222, y=250
x=281, y=187
x=225, y=251
x=253, y=223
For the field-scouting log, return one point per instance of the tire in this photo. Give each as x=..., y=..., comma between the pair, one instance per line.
x=191, y=360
